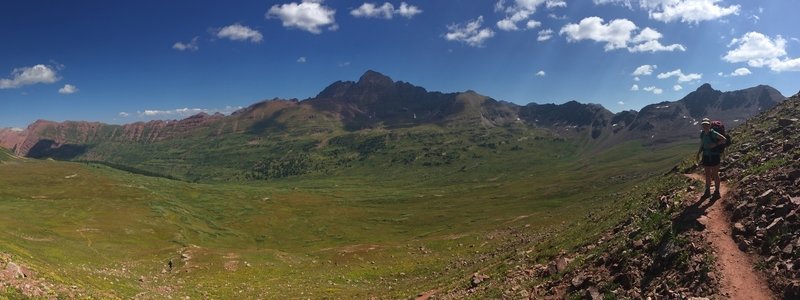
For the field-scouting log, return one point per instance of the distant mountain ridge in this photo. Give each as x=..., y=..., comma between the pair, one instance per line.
x=376, y=101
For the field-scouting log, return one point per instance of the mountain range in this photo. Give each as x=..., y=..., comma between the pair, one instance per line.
x=377, y=103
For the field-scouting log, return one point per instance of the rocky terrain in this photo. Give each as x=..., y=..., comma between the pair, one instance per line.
x=765, y=205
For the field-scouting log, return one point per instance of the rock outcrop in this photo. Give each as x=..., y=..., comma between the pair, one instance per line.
x=765, y=206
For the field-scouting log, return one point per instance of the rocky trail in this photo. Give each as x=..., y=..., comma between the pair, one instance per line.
x=738, y=279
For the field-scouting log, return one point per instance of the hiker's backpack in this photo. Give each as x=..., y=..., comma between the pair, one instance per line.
x=720, y=128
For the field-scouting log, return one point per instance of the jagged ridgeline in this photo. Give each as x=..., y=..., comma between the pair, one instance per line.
x=374, y=123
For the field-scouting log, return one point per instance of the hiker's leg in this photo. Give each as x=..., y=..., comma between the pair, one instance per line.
x=708, y=170
x=716, y=177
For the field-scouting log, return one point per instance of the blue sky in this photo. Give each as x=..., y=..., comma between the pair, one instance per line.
x=126, y=61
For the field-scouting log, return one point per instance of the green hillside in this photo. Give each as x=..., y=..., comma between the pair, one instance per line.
x=391, y=224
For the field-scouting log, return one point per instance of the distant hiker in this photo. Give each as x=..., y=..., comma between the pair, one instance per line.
x=710, y=140
x=170, y=264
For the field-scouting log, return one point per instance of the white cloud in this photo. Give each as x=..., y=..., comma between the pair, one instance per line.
x=555, y=3
x=545, y=35
x=237, y=32
x=741, y=72
x=687, y=11
x=470, y=33
x=636, y=78
x=309, y=15
x=124, y=114
x=677, y=87
x=681, y=77
x=635, y=87
x=68, y=89
x=541, y=73
x=181, y=112
x=29, y=76
x=759, y=50
x=191, y=46
x=344, y=64
x=385, y=11
x=647, y=34
x=533, y=24
x=519, y=11
x=785, y=65
x=644, y=70
x=655, y=46
x=615, y=34
x=653, y=89
x=621, y=103
x=301, y=60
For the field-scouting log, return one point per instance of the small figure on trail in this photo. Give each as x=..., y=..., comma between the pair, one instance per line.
x=710, y=140
x=170, y=264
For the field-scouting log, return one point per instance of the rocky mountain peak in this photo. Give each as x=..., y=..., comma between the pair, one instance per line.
x=371, y=77
x=706, y=87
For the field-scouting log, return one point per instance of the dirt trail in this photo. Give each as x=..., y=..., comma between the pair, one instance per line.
x=739, y=279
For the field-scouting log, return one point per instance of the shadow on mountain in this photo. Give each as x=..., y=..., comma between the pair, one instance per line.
x=50, y=149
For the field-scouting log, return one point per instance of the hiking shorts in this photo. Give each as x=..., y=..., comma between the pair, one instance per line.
x=710, y=160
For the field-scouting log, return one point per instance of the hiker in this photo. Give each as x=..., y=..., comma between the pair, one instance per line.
x=710, y=140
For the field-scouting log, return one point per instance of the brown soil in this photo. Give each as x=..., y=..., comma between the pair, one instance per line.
x=738, y=278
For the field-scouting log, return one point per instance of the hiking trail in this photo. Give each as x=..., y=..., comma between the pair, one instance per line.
x=739, y=279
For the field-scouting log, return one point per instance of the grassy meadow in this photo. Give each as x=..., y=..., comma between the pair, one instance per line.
x=377, y=227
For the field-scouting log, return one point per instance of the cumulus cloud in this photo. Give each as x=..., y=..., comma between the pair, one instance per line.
x=29, y=76
x=687, y=11
x=621, y=103
x=636, y=78
x=653, y=90
x=635, y=87
x=68, y=89
x=760, y=50
x=521, y=11
x=385, y=11
x=541, y=73
x=677, y=87
x=237, y=32
x=617, y=34
x=301, y=60
x=308, y=15
x=190, y=46
x=644, y=70
x=470, y=33
x=681, y=77
x=545, y=35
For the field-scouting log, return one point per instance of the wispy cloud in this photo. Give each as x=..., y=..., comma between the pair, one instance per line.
x=302, y=60
x=190, y=46
x=687, y=11
x=470, y=33
x=386, y=11
x=541, y=73
x=238, y=32
x=681, y=77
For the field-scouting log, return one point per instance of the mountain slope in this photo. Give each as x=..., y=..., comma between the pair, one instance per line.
x=298, y=134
